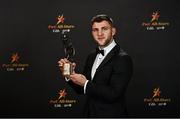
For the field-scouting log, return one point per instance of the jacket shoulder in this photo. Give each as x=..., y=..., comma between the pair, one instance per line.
x=122, y=53
x=123, y=56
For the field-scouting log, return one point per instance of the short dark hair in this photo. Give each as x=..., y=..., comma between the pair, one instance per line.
x=100, y=18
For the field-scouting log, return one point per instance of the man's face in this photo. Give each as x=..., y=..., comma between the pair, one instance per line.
x=103, y=33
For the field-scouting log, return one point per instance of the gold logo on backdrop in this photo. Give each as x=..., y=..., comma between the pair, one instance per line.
x=62, y=100
x=15, y=64
x=60, y=19
x=155, y=16
x=156, y=92
x=155, y=23
x=157, y=99
x=62, y=94
x=60, y=24
x=14, y=58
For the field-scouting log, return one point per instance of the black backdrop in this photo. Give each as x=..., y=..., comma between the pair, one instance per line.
x=24, y=30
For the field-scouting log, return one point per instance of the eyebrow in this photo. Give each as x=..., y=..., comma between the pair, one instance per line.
x=101, y=27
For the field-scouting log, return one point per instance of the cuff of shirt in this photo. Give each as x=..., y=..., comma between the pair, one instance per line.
x=85, y=86
x=67, y=79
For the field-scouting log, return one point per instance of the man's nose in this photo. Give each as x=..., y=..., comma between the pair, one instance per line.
x=100, y=33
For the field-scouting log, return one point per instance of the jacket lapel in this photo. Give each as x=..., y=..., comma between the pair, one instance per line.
x=91, y=62
x=90, y=65
x=113, y=52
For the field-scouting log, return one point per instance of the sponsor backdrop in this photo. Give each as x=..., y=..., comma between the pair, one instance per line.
x=31, y=84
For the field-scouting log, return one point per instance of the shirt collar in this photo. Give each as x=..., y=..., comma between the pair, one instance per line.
x=108, y=48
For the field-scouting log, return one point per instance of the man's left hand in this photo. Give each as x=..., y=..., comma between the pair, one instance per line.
x=78, y=79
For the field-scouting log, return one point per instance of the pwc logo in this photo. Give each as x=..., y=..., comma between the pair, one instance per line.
x=14, y=63
x=155, y=23
x=60, y=24
x=62, y=94
x=155, y=16
x=156, y=92
x=62, y=100
x=157, y=99
x=14, y=58
x=60, y=19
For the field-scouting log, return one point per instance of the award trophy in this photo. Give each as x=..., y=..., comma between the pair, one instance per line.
x=69, y=53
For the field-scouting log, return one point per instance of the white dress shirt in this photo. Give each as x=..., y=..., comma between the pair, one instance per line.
x=98, y=60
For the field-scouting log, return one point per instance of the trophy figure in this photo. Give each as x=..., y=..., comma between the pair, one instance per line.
x=69, y=53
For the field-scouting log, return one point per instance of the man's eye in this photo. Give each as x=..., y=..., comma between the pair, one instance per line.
x=106, y=28
x=94, y=30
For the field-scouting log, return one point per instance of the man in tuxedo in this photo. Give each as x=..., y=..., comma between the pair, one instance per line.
x=106, y=74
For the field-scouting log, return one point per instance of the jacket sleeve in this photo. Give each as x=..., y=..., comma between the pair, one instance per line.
x=79, y=89
x=120, y=76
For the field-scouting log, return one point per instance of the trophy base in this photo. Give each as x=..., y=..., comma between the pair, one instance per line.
x=67, y=69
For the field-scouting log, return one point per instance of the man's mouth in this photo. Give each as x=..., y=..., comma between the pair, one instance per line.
x=101, y=38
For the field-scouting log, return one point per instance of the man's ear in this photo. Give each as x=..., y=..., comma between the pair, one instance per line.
x=113, y=31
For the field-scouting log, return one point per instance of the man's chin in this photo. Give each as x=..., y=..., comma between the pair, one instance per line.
x=101, y=44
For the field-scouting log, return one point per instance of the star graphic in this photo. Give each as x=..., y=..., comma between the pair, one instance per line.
x=156, y=92
x=60, y=19
x=62, y=94
x=155, y=16
x=14, y=58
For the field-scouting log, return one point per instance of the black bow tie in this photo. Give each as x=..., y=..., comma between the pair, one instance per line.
x=99, y=51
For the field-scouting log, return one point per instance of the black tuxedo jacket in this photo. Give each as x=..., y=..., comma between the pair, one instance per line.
x=105, y=93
